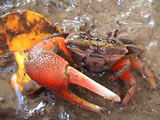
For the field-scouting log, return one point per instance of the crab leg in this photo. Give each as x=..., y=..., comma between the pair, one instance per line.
x=137, y=64
x=129, y=78
x=52, y=71
x=122, y=68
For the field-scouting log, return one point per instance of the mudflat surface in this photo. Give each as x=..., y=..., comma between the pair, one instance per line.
x=135, y=19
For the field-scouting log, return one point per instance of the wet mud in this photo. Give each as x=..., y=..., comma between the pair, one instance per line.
x=137, y=20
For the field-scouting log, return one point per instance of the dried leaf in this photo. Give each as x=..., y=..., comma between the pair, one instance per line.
x=22, y=30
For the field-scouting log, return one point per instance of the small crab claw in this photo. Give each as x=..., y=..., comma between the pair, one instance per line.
x=52, y=71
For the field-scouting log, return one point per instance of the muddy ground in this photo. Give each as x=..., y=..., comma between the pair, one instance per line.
x=135, y=19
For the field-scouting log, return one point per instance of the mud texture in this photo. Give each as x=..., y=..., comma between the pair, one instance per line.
x=135, y=19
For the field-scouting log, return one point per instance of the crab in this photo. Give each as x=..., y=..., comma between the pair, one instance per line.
x=56, y=62
x=95, y=54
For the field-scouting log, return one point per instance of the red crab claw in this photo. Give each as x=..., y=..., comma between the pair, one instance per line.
x=51, y=71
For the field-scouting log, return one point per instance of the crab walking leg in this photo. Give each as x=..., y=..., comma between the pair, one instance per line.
x=129, y=78
x=123, y=66
x=129, y=95
x=137, y=64
x=78, y=78
x=150, y=77
x=118, y=69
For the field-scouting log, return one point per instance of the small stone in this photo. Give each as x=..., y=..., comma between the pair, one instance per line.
x=2, y=100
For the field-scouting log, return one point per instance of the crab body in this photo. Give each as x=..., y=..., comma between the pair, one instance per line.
x=94, y=53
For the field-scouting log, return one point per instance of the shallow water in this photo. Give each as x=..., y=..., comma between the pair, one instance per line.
x=135, y=19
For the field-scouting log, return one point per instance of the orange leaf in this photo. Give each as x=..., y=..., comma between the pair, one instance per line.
x=22, y=30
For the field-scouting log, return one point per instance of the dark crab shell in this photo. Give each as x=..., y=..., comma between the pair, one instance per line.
x=96, y=54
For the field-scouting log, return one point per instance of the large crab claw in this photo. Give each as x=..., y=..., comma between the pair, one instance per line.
x=50, y=70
